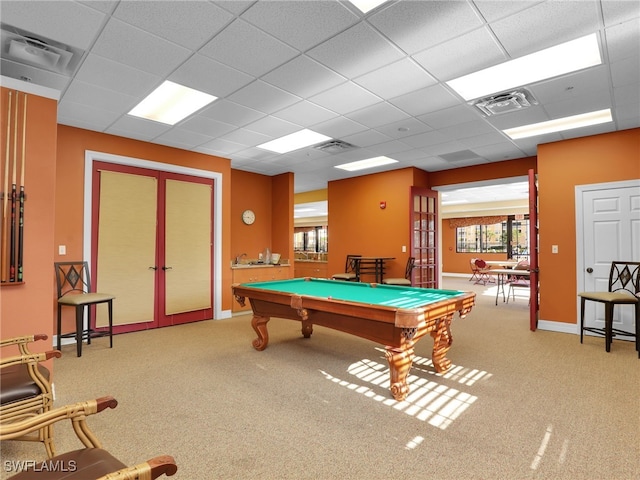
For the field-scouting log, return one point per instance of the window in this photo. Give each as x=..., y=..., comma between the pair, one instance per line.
x=510, y=236
x=311, y=239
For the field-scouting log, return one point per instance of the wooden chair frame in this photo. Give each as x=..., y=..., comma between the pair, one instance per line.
x=74, y=290
x=351, y=269
x=623, y=289
x=26, y=369
x=77, y=413
x=406, y=281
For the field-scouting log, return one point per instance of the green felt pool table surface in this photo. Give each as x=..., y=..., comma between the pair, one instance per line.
x=372, y=294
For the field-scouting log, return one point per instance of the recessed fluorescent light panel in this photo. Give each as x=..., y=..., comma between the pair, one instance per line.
x=564, y=58
x=170, y=103
x=560, y=124
x=294, y=141
x=367, y=5
x=367, y=163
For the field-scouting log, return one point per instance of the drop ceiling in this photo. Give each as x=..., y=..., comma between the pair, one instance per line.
x=375, y=80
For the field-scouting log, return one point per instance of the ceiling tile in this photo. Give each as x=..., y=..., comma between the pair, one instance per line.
x=272, y=126
x=345, y=98
x=485, y=53
x=306, y=24
x=85, y=116
x=415, y=26
x=396, y=79
x=244, y=47
x=377, y=115
x=206, y=126
x=303, y=77
x=449, y=116
x=357, y=51
x=197, y=72
x=339, y=127
x=263, y=97
x=425, y=100
x=126, y=44
x=403, y=128
x=140, y=128
x=366, y=138
x=189, y=24
x=98, y=97
x=522, y=33
x=247, y=138
x=232, y=113
x=305, y=113
x=116, y=76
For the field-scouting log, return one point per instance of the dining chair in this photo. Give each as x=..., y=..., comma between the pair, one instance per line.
x=351, y=270
x=406, y=280
x=623, y=289
x=92, y=462
x=518, y=281
x=482, y=274
x=74, y=290
x=474, y=270
x=25, y=388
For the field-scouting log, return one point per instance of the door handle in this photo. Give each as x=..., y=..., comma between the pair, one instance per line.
x=153, y=268
x=589, y=270
x=166, y=268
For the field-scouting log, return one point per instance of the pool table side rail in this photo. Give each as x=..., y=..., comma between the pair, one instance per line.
x=401, y=318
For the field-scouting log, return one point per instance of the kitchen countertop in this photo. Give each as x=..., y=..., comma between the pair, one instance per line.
x=258, y=265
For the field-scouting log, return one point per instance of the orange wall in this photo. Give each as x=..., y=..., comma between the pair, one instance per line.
x=603, y=158
x=282, y=216
x=357, y=224
x=254, y=192
x=70, y=157
x=28, y=308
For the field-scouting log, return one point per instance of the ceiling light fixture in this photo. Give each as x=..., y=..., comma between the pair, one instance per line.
x=551, y=62
x=294, y=141
x=560, y=124
x=367, y=163
x=367, y=5
x=170, y=103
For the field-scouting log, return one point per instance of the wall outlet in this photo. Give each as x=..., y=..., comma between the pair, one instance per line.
x=62, y=249
x=554, y=248
x=404, y=248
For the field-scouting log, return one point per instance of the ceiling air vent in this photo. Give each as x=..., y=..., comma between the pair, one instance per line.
x=334, y=146
x=25, y=48
x=505, y=102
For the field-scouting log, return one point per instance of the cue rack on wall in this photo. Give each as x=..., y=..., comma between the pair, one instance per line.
x=12, y=193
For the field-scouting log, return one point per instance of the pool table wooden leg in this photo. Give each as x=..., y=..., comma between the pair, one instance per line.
x=259, y=324
x=442, y=343
x=400, y=361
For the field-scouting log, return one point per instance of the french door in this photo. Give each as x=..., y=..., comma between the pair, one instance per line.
x=424, y=237
x=152, y=245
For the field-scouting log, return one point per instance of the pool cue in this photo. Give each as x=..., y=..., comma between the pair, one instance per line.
x=21, y=199
x=14, y=198
x=5, y=197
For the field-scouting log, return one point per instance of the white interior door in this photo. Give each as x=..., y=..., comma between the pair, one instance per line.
x=608, y=222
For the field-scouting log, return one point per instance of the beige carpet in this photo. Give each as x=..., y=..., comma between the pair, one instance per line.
x=516, y=404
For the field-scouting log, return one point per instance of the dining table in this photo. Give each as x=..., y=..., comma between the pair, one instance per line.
x=375, y=266
x=503, y=275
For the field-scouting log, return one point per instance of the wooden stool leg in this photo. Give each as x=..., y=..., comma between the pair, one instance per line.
x=582, y=302
x=79, y=330
x=608, y=325
x=110, y=307
x=58, y=341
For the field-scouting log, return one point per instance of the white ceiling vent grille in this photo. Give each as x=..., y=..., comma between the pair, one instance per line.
x=505, y=102
x=335, y=146
x=27, y=49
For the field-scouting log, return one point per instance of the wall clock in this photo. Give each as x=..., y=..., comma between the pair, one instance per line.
x=248, y=217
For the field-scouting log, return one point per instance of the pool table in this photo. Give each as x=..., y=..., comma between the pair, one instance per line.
x=394, y=316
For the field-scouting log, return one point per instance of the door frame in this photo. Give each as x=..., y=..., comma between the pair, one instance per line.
x=579, y=212
x=90, y=156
